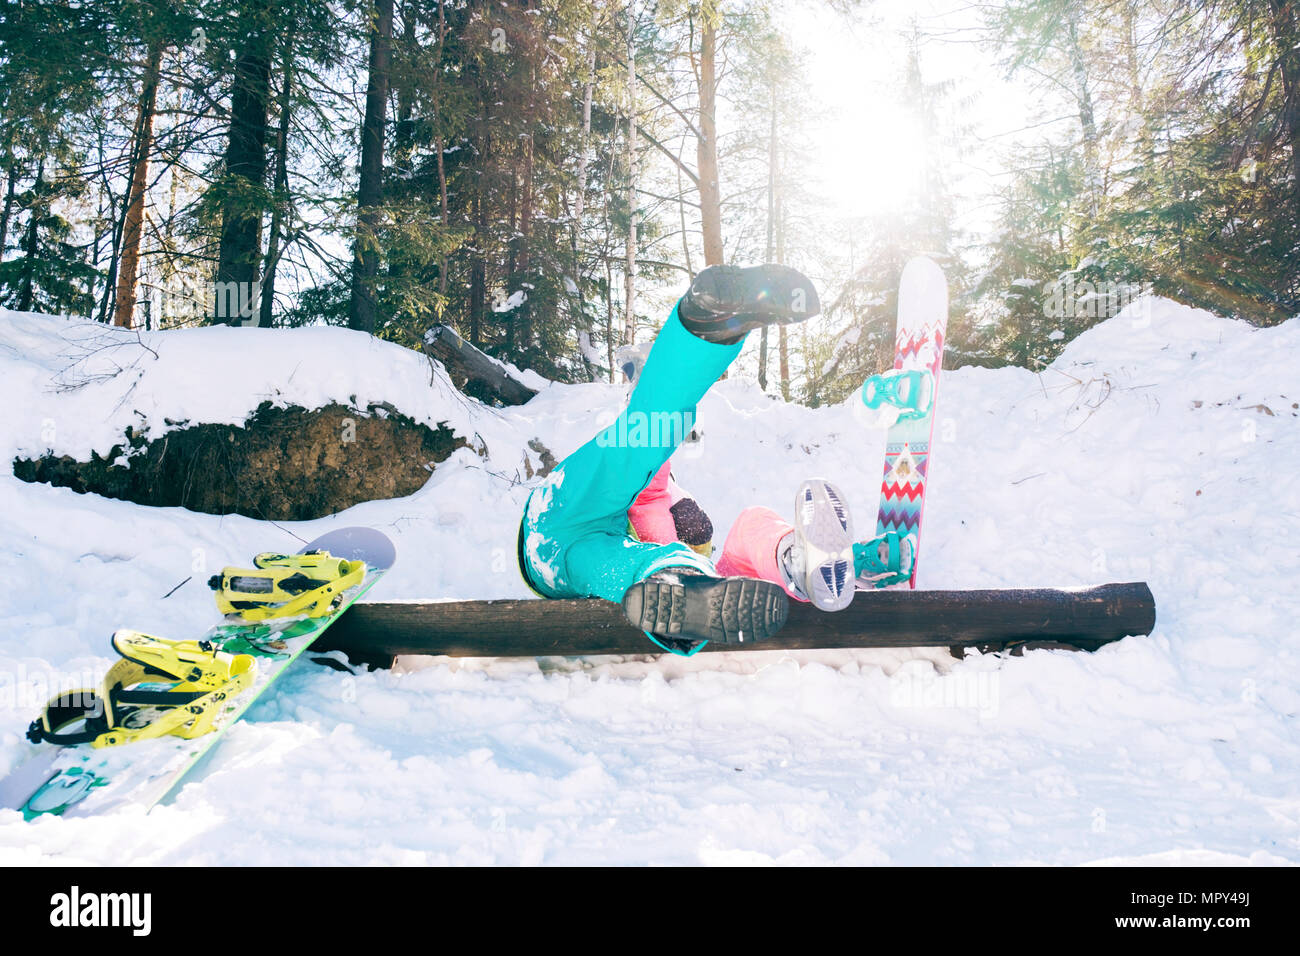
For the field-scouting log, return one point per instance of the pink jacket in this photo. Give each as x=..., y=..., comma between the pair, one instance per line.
x=663, y=513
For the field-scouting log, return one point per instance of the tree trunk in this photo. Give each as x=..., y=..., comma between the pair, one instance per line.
x=609, y=319
x=771, y=231
x=783, y=358
x=1087, y=116
x=1128, y=15
x=523, y=262
x=681, y=214
x=133, y=223
x=363, y=313
x=1286, y=34
x=707, y=148
x=169, y=272
x=280, y=198
x=783, y=353
x=629, y=252
x=478, y=266
x=114, y=240
x=1084, y=619
x=11, y=177
x=472, y=371
x=482, y=187
x=607, y=255
x=1146, y=146
x=27, y=281
x=241, y=220
x=444, y=212
x=512, y=246
x=579, y=205
x=405, y=92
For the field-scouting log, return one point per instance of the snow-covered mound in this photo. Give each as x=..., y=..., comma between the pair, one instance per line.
x=91, y=382
x=1163, y=445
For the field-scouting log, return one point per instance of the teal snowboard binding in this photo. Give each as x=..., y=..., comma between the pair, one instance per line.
x=885, y=560
x=899, y=395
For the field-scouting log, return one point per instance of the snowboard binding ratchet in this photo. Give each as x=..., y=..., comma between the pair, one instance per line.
x=285, y=585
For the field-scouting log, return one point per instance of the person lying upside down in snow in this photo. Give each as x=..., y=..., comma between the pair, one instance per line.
x=610, y=522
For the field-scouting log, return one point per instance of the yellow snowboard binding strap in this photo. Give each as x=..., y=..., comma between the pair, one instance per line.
x=133, y=702
x=285, y=585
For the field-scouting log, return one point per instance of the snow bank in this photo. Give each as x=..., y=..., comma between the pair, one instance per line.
x=1162, y=446
x=90, y=382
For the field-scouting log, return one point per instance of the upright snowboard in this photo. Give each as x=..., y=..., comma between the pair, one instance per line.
x=918, y=346
x=82, y=780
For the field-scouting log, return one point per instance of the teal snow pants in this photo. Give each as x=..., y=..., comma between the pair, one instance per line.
x=573, y=540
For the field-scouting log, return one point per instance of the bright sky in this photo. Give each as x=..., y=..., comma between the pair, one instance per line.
x=857, y=63
x=867, y=145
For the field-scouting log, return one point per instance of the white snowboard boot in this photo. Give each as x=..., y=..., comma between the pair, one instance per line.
x=817, y=558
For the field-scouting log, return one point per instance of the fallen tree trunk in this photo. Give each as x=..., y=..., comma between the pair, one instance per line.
x=1083, y=618
x=472, y=370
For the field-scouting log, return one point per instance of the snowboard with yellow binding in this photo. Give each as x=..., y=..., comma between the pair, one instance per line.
x=131, y=740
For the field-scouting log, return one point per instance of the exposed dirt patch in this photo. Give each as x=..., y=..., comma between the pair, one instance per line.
x=287, y=464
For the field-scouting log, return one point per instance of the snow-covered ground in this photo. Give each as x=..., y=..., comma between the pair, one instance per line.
x=1163, y=445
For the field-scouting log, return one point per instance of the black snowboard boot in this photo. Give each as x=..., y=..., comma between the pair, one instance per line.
x=682, y=607
x=725, y=302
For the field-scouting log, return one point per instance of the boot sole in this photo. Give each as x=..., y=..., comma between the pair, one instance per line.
x=731, y=291
x=699, y=608
x=823, y=521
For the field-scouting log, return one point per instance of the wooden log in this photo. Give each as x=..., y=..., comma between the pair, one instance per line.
x=472, y=370
x=1083, y=618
